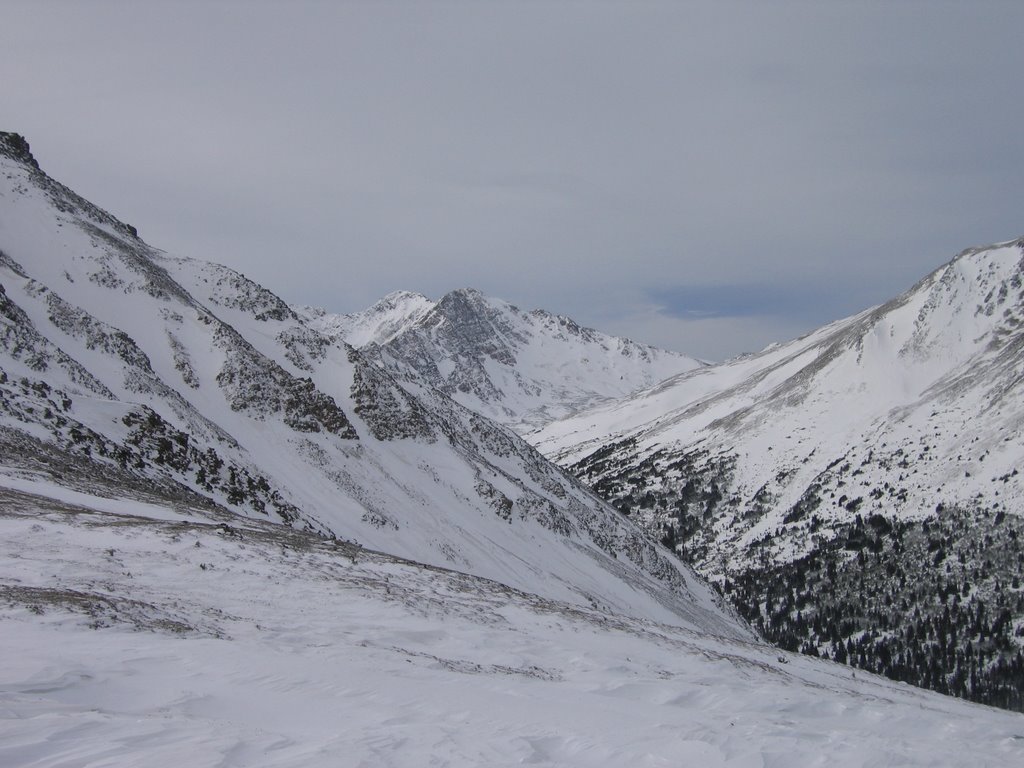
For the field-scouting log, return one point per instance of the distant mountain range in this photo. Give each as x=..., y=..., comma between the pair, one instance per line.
x=522, y=369
x=856, y=491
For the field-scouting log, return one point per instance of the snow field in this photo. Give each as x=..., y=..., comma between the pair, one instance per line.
x=289, y=650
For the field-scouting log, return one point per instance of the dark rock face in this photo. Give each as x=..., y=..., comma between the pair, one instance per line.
x=16, y=147
x=238, y=292
x=475, y=329
x=256, y=384
x=388, y=410
x=462, y=328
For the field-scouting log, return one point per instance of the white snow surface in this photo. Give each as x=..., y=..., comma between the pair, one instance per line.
x=137, y=640
x=376, y=325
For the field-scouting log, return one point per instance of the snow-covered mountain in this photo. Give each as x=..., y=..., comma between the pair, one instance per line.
x=137, y=633
x=821, y=476
x=124, y=369
x=379, y=324
x=521, y=369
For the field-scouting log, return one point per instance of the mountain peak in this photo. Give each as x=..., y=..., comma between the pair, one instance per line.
x=15, y=146
x=397, y=299
x=523, y=369
x=401, y=295
x=464, y=297
x=467, y=293
x=376, y=325
x=974, y=251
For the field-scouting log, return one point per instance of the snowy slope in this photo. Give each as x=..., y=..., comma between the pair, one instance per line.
x=846, y=448
x=123, y=365
x=157, y=637
x=920, y=396
x=522, y=369
x=377, y=325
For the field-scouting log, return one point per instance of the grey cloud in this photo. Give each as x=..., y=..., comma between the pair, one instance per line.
x=802, y=302
x=568, y=156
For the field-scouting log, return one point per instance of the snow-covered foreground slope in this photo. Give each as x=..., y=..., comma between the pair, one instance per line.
x=141, y=635
x=123, y=364
x=522, y=369
x=854, y=476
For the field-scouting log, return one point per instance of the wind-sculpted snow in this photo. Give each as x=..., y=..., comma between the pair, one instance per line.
x=142, y=365
x=522, y=369
x=767, y=466
x=141, y=634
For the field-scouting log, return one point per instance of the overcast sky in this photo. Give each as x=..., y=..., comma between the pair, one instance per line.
x=708, y=177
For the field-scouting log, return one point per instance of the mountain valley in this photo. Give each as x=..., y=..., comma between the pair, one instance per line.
x=237, y=532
